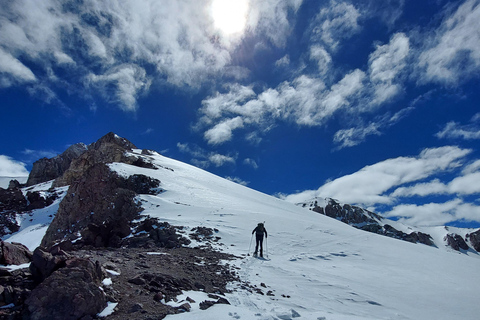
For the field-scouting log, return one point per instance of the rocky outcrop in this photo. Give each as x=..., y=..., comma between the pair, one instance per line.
x=71, y=292
x=49, y=169
x=100, y=201
x=13, y=202
x=110, y=148
x=366, y=220
x=456, y=242
x=14, y=253
x=474, y=239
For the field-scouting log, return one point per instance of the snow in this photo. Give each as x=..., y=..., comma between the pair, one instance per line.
x=107, y=282
x=318, y=267
x=108, y=310
x=34, y=225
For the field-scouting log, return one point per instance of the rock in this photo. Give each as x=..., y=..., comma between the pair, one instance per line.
x=136, y=307
x=97, y=203
x=44, y=263
x=185, y=307
x=204, y=305
x=138, y=280
x=159, y=297
x=109, y=148
x=456, y=242
x=474, y=239
x=14, y=253
x=71, y=292
x=49, y=169
x=14, y=184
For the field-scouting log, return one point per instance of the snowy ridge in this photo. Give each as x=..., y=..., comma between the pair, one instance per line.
x=317, y=267
x=363, y=219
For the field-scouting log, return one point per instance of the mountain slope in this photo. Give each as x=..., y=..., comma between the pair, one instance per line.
x=317, y=267
x=327, y=268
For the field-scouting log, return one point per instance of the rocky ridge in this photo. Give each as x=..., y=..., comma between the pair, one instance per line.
x=369, y=221
x=96, y=232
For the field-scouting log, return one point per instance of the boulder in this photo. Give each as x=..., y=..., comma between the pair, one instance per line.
x=14, y=253
x=71, y=292
x=44, y=263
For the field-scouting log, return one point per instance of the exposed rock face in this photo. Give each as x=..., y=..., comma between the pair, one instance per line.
x=49, y=169
x=99, y=201
x=14, y=253
x=474, y=239
x=456, y=242
x=366, y=220
x=110, y=148
x=71, y=292
x=13, y=202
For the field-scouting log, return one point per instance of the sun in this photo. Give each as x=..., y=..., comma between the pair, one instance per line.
x=230, y=16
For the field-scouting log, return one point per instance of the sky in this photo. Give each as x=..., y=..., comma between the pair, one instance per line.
x=374, y=103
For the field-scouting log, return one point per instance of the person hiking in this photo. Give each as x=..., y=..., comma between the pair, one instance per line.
x=259, y=230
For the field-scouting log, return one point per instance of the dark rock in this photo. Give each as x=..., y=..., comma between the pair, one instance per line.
x=44, y=263
x=71, y=292
x=204, y=305
x=138, y=280
x=166, y=236
x=14, y=253
x=456, y=242
x=97, y=199
x=185, y=307
x=14, y=184
x=158, y=297
x=49, y=169
x=12, y=200
x=142, y=184
x=474, y=239
x=110, y=148
x=136, y=307
x=37, y=201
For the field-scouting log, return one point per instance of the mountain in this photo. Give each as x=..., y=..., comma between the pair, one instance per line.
x=459, y=239
x=160, y=229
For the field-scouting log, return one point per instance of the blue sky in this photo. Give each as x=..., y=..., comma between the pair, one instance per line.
x=374, y=103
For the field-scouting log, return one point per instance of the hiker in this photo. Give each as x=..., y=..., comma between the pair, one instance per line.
x=259, y=230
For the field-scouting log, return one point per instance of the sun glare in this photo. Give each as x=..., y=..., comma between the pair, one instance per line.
x=230, y=16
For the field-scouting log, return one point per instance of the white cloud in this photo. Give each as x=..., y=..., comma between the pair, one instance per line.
x=12, y=168
x=222, y=132
x=369, y=186
x=123, y=47
x=385, y=65
x=250, y=162
x=14, y=68
x=356, y=135
x=203, y=158
x=454, y=130
x=129, y=81
x=219, y=159
x=283, y=62
x=238, y=180
x=430, y=214
x=336, y=22
x=321, y=57
x=270, y=18
x=453, y=55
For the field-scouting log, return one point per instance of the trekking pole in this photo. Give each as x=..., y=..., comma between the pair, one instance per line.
x=250, y=245
x=266, y=246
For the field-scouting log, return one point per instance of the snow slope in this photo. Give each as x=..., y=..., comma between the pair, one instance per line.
x=317, y=267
